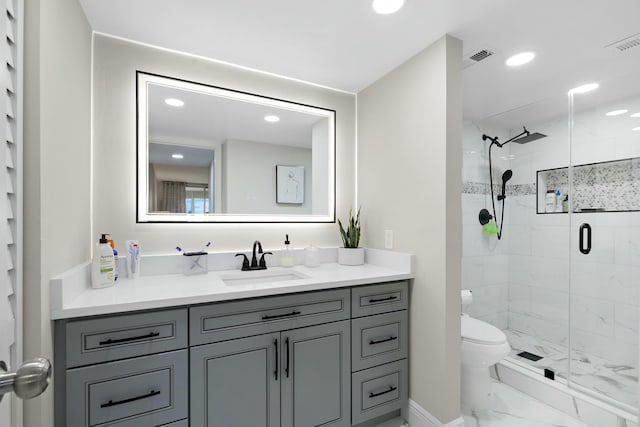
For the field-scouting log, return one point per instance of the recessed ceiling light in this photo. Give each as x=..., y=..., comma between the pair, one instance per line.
x=616, y=113
x=174, y=102
x=638, y=128
x=272, y=119
x=387, y=7
x=585, y=88
x=636, y=114
x=520, y=59
x=177, y=156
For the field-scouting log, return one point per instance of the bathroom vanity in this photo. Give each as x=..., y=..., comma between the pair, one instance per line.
x=327, y=347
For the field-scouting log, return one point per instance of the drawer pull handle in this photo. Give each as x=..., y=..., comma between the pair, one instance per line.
x=133, y=399
x=141, y=337
x=381, y=341
x=286, y=370
x=278, y=316
x=392, y=297
x=389, y=390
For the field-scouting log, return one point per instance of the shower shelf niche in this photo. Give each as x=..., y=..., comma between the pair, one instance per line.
x=612, y=186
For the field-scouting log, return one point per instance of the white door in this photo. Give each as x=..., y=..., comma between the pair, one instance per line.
x=11, y=199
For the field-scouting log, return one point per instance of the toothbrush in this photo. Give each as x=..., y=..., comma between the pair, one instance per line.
x=205, y=246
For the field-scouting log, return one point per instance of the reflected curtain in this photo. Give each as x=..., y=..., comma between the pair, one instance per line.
x=173, y=196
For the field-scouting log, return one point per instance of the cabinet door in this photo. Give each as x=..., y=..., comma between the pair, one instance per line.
x=234, y=384
x=316, y=381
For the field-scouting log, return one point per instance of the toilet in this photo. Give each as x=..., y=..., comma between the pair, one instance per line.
x=483, y=345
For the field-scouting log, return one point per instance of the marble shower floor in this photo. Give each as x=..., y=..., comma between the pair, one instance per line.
x=617, y=382
x=515, y=409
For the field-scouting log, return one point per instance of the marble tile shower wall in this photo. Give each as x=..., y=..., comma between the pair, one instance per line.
x=485, y=260
x=522, y=281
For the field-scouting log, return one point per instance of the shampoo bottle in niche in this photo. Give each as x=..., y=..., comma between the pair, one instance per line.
x=103, y=268
x=286, y=260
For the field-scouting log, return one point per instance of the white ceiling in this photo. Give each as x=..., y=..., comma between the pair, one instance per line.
x=343, y=44
x=206, y=120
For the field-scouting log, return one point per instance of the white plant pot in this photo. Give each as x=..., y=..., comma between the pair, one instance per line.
x=351, y=256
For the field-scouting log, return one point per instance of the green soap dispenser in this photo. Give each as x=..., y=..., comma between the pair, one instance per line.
x=103, y=266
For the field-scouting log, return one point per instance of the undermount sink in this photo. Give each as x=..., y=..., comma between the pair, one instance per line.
x=261, y=276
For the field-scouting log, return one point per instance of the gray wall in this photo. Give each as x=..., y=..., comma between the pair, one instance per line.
x=409, y=160
x=57, y=165
x=114, y=113
x=249, y=171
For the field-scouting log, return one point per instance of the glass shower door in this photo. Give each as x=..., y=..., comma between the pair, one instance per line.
x=604, y=209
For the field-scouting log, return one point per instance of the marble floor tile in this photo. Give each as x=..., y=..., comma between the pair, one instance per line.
x=617, y=382
x=515, y=409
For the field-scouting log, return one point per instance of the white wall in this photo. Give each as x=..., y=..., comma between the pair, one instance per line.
x=320, y=174
x=249, y=171
x=115, y=64
x=57, y=167
x=409, y=161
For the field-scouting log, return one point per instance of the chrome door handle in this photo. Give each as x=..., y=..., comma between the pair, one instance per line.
x=29, y=381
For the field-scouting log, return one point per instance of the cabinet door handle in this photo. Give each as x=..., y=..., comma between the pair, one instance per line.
x=392, y=297
x=133, y=399
x=278, y=316
x=141, y=337
x=389, y=390
x=286, y=369
x=381, y=341
x=275, y=344
x=587, y=249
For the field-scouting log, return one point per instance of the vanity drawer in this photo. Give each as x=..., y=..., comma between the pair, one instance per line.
x=379, y=339
x=117, y=337
x=375, y=299
x=145, y=391
x=224, y=321
x=379, y=390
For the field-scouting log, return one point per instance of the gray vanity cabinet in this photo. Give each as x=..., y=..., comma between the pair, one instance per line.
x=295, y=378
x=236, y=383
x=316, y=385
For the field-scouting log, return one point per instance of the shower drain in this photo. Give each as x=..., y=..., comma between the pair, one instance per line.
x=529, y=356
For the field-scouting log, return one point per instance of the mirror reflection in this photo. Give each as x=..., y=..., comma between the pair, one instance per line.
x=207, y=154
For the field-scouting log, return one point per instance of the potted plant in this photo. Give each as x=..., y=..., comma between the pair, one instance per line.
x=351, y=254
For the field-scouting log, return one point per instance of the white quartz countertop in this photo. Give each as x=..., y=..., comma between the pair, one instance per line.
x=72, y=297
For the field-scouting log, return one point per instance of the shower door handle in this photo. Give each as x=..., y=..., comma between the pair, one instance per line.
x=585, y=229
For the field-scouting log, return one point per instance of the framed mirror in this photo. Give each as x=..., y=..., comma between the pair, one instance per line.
x=210, y=154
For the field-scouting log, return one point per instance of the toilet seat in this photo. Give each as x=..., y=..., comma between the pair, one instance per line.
x=479, y=332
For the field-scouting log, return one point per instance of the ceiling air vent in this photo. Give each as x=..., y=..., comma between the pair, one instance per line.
x=475, y=57
x=626, y=43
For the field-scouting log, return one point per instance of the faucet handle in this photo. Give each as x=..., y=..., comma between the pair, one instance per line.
x=245, y=262
x=263, y=263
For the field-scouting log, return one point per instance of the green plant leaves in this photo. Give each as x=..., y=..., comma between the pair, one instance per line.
x=351, y=236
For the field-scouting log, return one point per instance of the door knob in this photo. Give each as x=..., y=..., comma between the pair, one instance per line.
x=29, y=381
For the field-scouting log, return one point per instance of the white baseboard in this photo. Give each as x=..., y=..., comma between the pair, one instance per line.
x=420, y=417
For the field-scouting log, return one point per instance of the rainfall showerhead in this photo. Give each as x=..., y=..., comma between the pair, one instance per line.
x=530, y=137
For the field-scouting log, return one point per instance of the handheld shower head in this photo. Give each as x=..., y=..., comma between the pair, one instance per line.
x=506, y=176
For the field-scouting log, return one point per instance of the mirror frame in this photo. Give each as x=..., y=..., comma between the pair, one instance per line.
x=143, y=79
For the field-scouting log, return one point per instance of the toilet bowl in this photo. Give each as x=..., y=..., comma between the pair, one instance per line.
x=483, y=345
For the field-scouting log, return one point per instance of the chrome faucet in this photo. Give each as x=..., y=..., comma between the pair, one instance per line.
x=255, y=264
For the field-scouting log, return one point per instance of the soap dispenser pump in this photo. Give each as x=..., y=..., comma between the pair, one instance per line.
x=103, y=267
x=286, y=260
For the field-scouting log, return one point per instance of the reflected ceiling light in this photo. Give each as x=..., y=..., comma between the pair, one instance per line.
x=177, y=156
x=585, y=88
x=272, y=119
x=520, y=59
x=638, y=128
x=616, y=113
x=174, y=102
x=387, y=7
x=636, y=114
